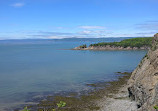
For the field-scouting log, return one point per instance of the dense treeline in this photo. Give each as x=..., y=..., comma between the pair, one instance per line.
x=134, y=42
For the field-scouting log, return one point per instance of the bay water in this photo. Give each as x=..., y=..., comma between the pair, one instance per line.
x=31, y=68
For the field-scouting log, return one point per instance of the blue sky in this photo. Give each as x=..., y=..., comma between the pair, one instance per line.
x=20, y=19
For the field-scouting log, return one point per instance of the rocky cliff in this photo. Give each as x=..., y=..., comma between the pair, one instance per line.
x=143, y=84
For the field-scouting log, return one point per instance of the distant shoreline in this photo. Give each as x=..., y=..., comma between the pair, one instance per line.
x=111, y=48
x=127, y=44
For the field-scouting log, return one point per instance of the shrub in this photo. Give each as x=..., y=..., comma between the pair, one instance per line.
x=83, y=46
x=25, y=109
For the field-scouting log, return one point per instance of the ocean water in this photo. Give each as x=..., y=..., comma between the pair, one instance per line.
x=30, y=68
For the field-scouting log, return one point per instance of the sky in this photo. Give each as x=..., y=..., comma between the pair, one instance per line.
x=46, y=19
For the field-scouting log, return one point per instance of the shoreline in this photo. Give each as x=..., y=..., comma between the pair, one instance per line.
x=118, y=102
x=111, y=48
x=97, y=100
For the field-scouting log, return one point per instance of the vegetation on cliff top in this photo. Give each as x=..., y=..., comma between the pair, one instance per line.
x=134, y=42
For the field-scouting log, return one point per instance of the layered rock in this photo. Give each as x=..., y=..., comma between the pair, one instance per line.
x=143, y=84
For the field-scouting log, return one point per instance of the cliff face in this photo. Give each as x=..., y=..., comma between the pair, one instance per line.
x=143, y=84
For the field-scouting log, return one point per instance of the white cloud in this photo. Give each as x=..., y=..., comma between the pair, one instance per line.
x=85, y=32
x=54, y=37
x=18, y=4
x=92, y=27
x=149, y=25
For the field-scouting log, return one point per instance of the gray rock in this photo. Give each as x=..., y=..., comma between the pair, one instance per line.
x=143, y=84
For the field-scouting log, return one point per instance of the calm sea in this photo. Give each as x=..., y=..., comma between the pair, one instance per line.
x=33, y=68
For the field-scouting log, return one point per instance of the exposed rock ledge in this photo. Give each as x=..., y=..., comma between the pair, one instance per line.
x=108, y=47
x=119, y=102
x=143, y=84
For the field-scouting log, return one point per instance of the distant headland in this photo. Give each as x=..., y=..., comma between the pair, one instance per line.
x=127, y=44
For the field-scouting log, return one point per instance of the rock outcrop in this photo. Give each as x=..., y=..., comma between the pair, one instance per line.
x=143, y=84
x=108, y=47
